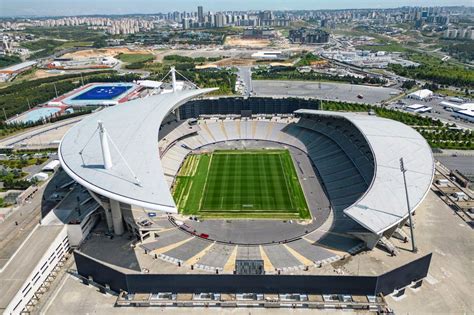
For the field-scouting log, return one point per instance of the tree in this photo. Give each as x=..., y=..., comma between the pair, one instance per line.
x=408, y=84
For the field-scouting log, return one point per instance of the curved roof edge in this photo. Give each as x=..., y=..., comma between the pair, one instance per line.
x=132, y=128
x=383, y=205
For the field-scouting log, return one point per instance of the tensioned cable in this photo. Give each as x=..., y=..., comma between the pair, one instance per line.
x=87, y=143
x=125, y=161
x=116, y=148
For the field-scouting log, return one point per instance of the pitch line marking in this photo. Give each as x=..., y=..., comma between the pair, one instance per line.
x=286, y=182
x=205, y=182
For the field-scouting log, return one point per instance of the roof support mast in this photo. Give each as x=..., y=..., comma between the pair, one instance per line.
x=173, y=78
x=104, y=144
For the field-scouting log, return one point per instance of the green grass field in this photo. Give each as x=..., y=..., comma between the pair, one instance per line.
x=240, y=184
x=131, y=58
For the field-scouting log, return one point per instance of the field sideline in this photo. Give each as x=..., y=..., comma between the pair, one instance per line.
x=240, y=184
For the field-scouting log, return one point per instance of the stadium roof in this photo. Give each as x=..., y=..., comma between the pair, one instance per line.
x=384, y=203
x=133, y=129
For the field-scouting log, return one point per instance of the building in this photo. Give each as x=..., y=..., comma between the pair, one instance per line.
x=463, y=111
x=421, y=94
x=134, y=177
x=258, y=33
x=130, y=173
x=220, y=20
x=186, y=24
x=269, y=55
x=17, y=69
x=461, y=33
x=465, y=114
x=308, y=36
x=200, y=14
x=418, y=108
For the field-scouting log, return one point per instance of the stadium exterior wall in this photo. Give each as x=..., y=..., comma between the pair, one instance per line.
x=386, y=283
x=256, y=105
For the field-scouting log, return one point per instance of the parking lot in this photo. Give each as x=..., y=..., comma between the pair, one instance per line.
x=324, y=90
x=437, y=111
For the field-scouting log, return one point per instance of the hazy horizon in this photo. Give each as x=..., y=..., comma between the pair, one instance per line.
x=15, y=8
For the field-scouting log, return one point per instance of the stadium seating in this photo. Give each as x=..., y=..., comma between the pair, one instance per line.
x=338, y=150
x=343, y=159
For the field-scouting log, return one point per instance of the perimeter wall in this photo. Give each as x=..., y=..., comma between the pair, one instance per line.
x=386, y=283
x=244, y=107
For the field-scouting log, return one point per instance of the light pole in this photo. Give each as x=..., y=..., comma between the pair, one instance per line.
x=403, y=170
x=55, y=89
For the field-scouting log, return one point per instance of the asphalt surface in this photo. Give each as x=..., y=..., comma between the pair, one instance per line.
x=437, y=112
x=16, y=228
x=22, y=264
x=17, y=139
x=446, y=290
x=464, y=164
x=323, y=90
x=245, y=74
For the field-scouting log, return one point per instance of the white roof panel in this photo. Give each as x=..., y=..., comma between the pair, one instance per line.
x=19, y=66
x=384, y=203
x=133, y=129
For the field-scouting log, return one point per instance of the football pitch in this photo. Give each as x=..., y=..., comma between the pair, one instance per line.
x=240, y=184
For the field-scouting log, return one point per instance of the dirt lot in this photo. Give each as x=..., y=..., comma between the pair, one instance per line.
x=234, y=62
x=106, y=52
x=251, y=43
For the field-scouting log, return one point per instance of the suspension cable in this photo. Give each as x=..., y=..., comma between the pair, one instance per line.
x=125, y=161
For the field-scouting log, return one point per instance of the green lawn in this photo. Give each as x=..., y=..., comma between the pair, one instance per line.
x=132, y=58
x=241, y=184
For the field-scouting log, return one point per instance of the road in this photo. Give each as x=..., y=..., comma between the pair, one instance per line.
x=16, y=228
x=245, y=74
x=16, y=139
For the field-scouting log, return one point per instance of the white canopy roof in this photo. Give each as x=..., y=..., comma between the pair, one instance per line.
x=384, y=203
x=421, y=94
x=133, y=129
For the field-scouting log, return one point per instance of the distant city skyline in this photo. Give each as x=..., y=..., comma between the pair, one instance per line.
x=108, y=7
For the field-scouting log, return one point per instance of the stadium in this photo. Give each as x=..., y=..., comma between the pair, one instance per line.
x=257, y=186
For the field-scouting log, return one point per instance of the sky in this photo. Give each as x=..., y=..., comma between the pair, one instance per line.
x=85, y=7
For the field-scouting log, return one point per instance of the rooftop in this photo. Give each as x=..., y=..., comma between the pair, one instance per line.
x=421, y=93
x=384, y=203
x=21, y=265
x=133, y=131
x=18, y=66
